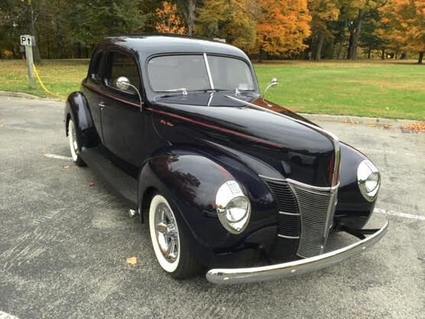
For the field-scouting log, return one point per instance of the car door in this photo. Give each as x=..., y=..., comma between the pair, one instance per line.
x=123, y=122
x=92, y=85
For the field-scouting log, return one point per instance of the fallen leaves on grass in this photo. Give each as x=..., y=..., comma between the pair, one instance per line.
x=132, y=261
x=418, y=127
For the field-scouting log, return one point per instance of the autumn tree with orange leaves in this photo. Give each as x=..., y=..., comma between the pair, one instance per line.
x=404, y=25
x=169, y=20
x=282, y=27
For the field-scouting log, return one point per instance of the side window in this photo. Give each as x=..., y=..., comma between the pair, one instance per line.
x=95, y=66
x=122, y=65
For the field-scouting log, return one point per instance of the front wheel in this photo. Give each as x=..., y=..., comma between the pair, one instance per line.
x=73, y=144
x=170, y=241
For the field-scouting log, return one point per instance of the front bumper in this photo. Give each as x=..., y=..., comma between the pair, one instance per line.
x=263, y=273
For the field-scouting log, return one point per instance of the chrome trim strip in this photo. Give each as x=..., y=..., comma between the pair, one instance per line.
x=311, y=187
x=255, y=274
x=289, y=214
x=207, y=65
x=272, y=178
x=288, y=237
x=300, y=184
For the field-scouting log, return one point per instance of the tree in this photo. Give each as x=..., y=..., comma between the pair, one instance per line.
x=404, y=25
x=323, y=12
x=189, y=7
x=282, y=26
x=371, y=39
x=168, y=19
x=21, y=16
x=355, y=13
x=232, y=20
x=91, y=21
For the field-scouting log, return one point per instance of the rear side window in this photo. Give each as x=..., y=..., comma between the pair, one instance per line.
x=95, y=66
x=122, y=65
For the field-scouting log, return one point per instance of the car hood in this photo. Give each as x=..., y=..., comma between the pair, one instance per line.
x=294, y=146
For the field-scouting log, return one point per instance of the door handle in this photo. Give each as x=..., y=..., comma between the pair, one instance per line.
x=102, y=105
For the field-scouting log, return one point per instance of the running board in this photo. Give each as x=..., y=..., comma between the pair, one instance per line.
x=116, y=179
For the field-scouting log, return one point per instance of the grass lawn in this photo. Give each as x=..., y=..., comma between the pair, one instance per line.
x=392, y=90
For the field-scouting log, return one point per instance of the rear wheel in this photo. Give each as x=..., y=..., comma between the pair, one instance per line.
x=170, y=241
x=73, y=144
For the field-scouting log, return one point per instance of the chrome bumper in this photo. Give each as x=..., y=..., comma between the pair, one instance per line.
x=263, y=273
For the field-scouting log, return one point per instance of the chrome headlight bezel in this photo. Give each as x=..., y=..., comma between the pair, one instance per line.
x=233, y=207
x=368, y=180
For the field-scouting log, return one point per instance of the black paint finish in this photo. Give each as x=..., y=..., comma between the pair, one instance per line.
x=187, y=146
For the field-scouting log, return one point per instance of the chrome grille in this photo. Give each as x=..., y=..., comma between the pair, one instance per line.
x=317, y=211
x=305, y=213
x=284, y=196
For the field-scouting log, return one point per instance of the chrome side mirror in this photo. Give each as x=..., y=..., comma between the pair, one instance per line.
x=124, y=84
x=272, y=83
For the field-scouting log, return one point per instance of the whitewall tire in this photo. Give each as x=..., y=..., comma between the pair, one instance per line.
x=170, y=242
x=74, y=147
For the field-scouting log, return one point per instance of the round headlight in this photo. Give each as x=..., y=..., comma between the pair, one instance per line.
x=368, y=179
x=233, y=207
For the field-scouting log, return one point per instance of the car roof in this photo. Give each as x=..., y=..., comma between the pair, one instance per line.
x=147, y=45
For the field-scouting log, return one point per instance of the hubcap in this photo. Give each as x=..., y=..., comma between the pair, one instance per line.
x=166, y=232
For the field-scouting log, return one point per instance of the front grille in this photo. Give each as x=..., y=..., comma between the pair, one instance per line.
x=317, y=211
x=305, y=214
x=289, y=222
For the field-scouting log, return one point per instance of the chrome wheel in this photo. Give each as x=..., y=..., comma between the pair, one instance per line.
x=72, y=138
x=164, y=233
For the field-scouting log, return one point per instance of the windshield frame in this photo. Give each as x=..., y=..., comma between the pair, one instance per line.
x=205, y=55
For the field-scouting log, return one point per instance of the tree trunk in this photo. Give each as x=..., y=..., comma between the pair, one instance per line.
x=339, y=51
x=421, y=57
x=354, y=36
x=36, y=50
x=369, y=53
x=191, y=7
x=79, y=50
x=318, y=51
x=383, y=54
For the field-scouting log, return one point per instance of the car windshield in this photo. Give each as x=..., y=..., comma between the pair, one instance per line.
x=185, y=73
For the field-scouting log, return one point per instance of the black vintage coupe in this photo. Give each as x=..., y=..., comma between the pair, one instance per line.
x=227, y=180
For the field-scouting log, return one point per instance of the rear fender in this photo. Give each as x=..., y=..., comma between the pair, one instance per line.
x=77, y=109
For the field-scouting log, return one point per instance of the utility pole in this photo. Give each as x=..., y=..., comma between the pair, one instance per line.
x=28, y=42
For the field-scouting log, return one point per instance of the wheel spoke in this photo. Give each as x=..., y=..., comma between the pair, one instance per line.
x=172, y=250
x=162, y=228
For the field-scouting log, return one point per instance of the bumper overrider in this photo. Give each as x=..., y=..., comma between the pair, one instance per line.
x=288, y=269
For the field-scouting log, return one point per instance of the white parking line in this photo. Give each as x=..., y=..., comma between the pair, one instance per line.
x=399, y=214
x=4, y=315
x=61, y=157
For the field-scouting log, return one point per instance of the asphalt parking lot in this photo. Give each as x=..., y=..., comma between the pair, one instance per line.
x=65, y=239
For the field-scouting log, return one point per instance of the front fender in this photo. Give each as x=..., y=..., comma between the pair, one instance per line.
x=191, y=179
x=352, y=210
x=77, y=109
